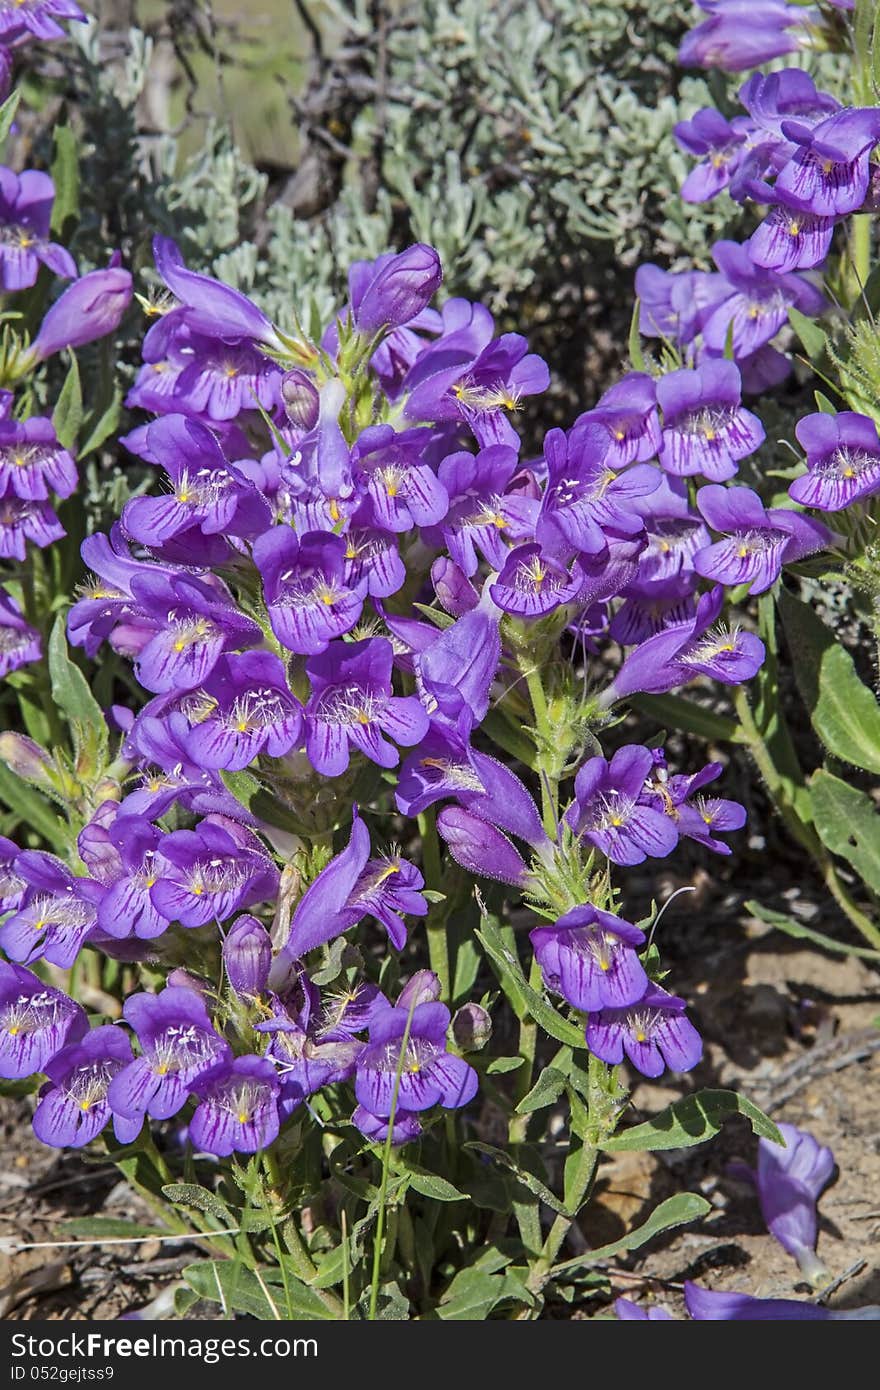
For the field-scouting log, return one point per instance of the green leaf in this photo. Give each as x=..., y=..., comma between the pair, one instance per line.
x=189, y=1194
x=499, y=1065
x=636, y=356
x=811, y=335
x=65, y=176
x=677, y=712
x=529, y=1180
x=392, y=1304
x=792, y=927
x=675, y=1211
x=68, y=413
x=7, y=114
x=843, y=711
x=848, y=823
x=431, y=1184
x=473, y=1293
x=98, y=1228
x=184, y=1300
x=691, y=1121
x=70, y=689
x=824, y=404
x=546, y=1091
x=100, y=426
x=236, y=1288
x=32, y=810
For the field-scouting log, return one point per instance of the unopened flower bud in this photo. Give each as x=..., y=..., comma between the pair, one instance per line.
x=301, y=400
x=26, y=758
x=247, y=956
x=422, y=988
x=471, y=1028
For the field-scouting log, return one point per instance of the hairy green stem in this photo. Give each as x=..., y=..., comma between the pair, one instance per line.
x=438, y=943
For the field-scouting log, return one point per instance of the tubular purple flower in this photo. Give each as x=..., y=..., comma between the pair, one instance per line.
x=393, y=290
x=304, y=583
x=790, y=1179
x=19, y=642
x=247, y=956
x=609, y=808
x=73, y=1107
x=237, y=1108
x=210, y=872
x=300, y=398
x=719, y=145
x=179, y=1046
x=243, y=709
x=36, y=1021
x=589, y=958
x=758, y=304
x=455, y=671
x=58, y=913
x=742, y=34
x=38, y=18
x=479, y=847
x=791, y=239
x=22, y=520
x=651, y=1031
x=843, y=460
x=705, y=428
x=829, y=172
x=760, y=541
x=715, y=1305
x=211, y=307
x=353, y=704
x=429, y=1075
x=91, y=308
x=32, y=462
x=25, y=212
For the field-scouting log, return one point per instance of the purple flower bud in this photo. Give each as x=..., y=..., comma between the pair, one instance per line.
x=300, y=396
x=471, y=1028
x=715, y=1305
x=479, y=847
x=422, y=988
x=25, y=758
x=91, y=308
x=400, y=287
x=247, y=956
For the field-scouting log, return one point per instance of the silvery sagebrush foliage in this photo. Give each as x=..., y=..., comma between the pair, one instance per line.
x=350, y=764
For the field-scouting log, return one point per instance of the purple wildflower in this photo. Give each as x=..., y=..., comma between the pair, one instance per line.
x=403, y=490
x=480, y=847
x=304, y=582
x=651, y=1031
x=790, y=1178
x=32, y=462
x=742, y=34
x=628, y=411
x=485, y=509
x=36, y=1021
x=209, y=306
x=584, y=495
x=23, y=520
x=759, y=541
x=19, y=642
x=237, y=1108
x=247, y=957
x=829, y=172
x=91, y=308
x=715, y=1305
x=758, y=304
x=791, y=239
x=58, y=912
x=73, y=1107
x=705, y=428
x=719, y=145
x=843, y=460
x=25, y=212
x=243, y=709
x=353, y=703
x=393, y=290
x=37, y=18
x=191, y=624
x=208, y=873
x=589, y=958
x=429, y=1075
x=179, y=1046
x=609, y=809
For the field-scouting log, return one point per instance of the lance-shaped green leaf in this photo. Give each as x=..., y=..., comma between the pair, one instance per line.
x=691, y=1121
x=792, y=927
x=65, y=177
x=679, y=1210
x=843, y=711
x=848, y=823
x=7, y=114
x=67, y=417
x=811, y=335
x=546, y=1091
x=238, y=1289
x=678, y=712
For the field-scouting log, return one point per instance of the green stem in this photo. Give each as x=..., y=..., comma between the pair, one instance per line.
x=860, y=256
x=304, y=1266
x=543, y=743
x=438, y=943
x=386, y=1168
x=528, y=1042
x=586, y=1169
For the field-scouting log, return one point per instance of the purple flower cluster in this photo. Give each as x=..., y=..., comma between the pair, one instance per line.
x=264, y=598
